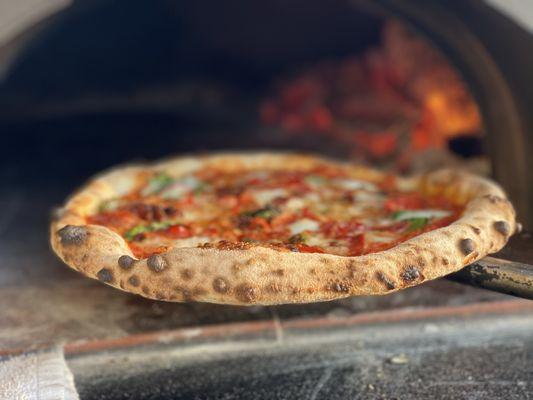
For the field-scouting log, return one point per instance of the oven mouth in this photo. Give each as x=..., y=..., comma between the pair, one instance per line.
x=209, y=74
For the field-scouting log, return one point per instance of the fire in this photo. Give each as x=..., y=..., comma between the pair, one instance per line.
x=384, y=105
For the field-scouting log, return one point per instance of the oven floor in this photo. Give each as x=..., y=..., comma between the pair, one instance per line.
x=474, y=358
x=442, y=339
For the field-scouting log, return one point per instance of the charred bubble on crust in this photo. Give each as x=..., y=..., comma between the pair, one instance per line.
x=156, y=263
x=467, y=246
x=133, y=280
x=105, y=275
x=220, y=285
x=386, y=280
x=410, y=274
x=126, y=262
x=245, y=293
x=340, y=287
x=72, y=235
x=502, y=227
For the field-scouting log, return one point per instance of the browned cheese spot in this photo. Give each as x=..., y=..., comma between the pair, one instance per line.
x=279, y=272
x=156, y=263
x=126, y=262
x=72, y=235
x=133, y=280
x=502, y=227
x=145, y=290
x=467, y=246
x=245, y=293
x=220, y=285
x=445, y=261
x=105, y=275
x=410, y=274
x=386, y=281
x=187, y=274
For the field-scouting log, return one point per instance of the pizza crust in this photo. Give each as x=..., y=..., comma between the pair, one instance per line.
x=259, y=275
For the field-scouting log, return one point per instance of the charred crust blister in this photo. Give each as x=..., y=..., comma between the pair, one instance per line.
x=502, y=227
x=156, y=263
x=105, y=275
x=410, y=274
x=133, y=281
x=386, y=281
x=467, y=246
x=340, y=287
x=220, y=285
x=72, y=235
x=126, y=262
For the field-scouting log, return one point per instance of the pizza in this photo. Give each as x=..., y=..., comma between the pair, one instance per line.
x=271, y=228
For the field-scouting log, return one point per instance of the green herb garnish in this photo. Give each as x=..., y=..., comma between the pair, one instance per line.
x=267, y=213
x=298, y=238
x=314, y=180
x=154, y=226
x=109, y=205
x=417, y=223
x=157, y=183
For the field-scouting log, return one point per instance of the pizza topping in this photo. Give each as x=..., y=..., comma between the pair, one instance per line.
x=303, y=225
x=324, y=210
x=109, y=205
x=417, y=214
x=177, y=189
x=353, y=184
x=156, y=183
x=264, y=197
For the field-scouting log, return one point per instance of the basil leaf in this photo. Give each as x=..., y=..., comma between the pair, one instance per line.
x=154, y=226
x=157, y=183
x=417, y=223
x=109, y=205
x=298, y=238
x=314, y=180
x=130, y=234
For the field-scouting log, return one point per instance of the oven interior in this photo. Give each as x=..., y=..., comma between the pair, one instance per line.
x=103, y=83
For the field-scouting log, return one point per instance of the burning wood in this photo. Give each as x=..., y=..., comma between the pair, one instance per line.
x=386, y=105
